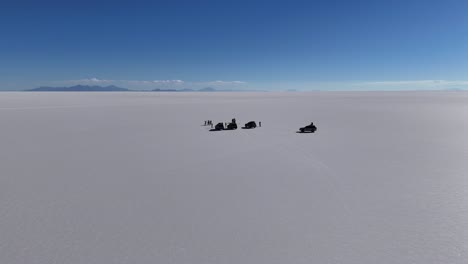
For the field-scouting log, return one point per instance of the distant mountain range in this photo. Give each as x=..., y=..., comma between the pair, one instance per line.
x=80, y=88
x=112, y=88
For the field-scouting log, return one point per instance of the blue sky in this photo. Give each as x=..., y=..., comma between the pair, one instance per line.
x=279, y=45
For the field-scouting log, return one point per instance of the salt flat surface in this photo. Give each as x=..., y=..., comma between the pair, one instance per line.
x=136, y=178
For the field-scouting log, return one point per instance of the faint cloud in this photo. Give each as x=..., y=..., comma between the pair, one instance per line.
x=90, y=80
x=168, y=81
x=229, y=82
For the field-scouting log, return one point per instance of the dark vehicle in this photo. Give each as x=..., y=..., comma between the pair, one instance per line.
x=250, y=125
x=219, y=126
x=308, y=129
x=231, y=126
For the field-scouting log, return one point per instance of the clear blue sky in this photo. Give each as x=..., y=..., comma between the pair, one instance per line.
x=245, y=44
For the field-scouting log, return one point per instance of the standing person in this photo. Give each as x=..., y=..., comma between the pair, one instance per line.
x=211, y=125
x=260, y=123
x=205, y=122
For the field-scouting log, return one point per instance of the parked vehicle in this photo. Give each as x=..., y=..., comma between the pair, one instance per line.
x=308, y=129
x=250, y=125
x=219, y=126
x=231, y=126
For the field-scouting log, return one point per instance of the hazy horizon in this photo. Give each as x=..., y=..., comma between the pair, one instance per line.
x=427, y=85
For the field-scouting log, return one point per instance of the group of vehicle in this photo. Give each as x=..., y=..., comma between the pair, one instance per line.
x=221, y=126
x=252, y=124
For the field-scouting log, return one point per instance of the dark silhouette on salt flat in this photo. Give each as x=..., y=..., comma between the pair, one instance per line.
x=308, y=129
x=250, y=125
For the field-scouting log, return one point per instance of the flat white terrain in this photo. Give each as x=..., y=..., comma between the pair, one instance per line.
x=97, y=178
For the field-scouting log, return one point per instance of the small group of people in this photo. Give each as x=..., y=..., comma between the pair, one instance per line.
x=208, y=122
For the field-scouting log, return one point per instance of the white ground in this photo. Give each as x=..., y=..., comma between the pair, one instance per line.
x=134, y=178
